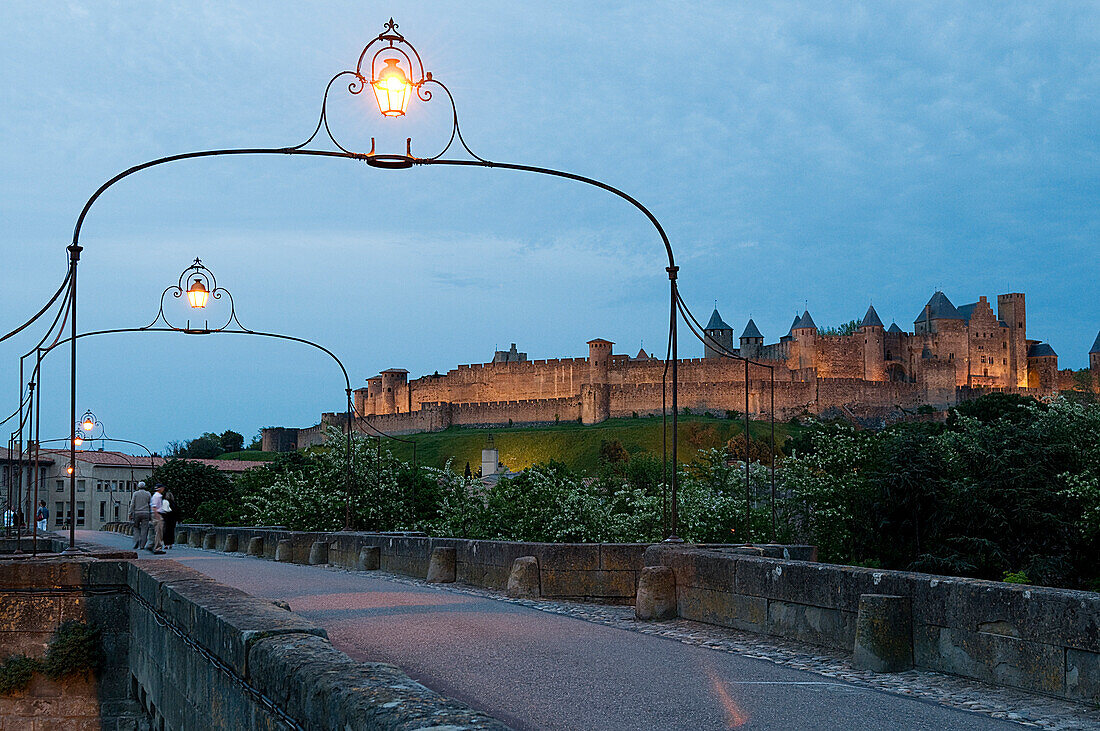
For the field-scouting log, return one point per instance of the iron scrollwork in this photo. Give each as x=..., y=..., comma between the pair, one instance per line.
x=201, y=274
x=389, y=44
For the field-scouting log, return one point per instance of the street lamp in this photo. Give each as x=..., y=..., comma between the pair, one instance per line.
x=393, y=85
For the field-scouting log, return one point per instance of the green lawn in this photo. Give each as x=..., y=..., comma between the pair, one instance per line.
x=574, y=444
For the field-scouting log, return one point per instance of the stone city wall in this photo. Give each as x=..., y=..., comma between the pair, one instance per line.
x=1035, y=638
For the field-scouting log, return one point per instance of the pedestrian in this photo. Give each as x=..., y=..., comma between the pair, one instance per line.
x=42, y=515
x=140, y=515
x=168, y=510
x=155, y=504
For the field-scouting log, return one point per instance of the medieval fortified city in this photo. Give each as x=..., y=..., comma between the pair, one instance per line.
x=255, y=480
x=873, y=372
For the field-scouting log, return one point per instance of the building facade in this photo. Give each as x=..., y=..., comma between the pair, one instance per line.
x=104, y=482
x=950, y=353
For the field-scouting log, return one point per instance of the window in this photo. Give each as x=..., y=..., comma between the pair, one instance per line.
x=99, y=485
x=116, y=511
x=80, y=485
x=59, y=514
x=60, y=485
x=80, y=513
x=1004, y=345
x=1004, y=361
x=102, y=510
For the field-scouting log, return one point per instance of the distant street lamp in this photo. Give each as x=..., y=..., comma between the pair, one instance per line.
x=203, y=288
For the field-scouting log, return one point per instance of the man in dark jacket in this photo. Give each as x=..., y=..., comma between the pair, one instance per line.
x=140, y=515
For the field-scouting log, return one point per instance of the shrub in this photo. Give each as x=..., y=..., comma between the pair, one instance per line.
x=16, y=672
x=74, y=648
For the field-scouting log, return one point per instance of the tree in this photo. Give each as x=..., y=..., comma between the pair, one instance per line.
x=231, y=441
x=192, y=484
x=613, y=452
x=848, y=328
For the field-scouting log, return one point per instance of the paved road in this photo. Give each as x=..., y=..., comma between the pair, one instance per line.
x=536, y=670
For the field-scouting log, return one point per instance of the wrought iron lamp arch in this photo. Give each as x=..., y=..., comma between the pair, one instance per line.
x=420, y=79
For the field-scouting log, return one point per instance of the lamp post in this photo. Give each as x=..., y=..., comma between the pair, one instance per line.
x=198, y=287
x=394, y=71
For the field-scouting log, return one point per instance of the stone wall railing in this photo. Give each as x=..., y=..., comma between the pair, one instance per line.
x=183, y=651
x=1035, y=638
x=606, y=572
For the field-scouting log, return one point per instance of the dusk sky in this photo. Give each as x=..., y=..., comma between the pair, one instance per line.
x=799, y=154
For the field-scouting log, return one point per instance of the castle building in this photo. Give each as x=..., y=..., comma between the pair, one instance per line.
x=952, y=353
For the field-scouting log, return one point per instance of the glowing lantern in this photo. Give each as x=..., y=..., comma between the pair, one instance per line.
x=69, y=469
x=78, y=440
x=88, y=424
x=392, y=89
x=197, y=294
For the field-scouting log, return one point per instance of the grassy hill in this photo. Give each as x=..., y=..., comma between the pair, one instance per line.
x=574, y=444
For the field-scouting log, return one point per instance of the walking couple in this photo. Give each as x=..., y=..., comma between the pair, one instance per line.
x=155, y=511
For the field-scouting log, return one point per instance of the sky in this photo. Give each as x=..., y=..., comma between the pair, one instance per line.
x=799, y=154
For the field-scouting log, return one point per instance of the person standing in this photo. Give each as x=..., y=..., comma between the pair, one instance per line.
x=168, y=510
x=155, y=504
x=140, y=514
x=42, y=516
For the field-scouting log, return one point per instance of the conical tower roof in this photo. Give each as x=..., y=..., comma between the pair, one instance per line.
x=716, y=322
x=871, y=318
x=894, y=328
x=805, y=321
x=939, y=308
x=751, y=331
x=1095, y=345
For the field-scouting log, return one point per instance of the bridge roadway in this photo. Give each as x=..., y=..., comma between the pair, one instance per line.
x=538, y=670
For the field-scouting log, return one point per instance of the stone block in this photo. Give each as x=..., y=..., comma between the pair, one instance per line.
x=991, y=658
x=441, y=569
x=284, y=551
x=231, y=543
x=318, y=553
x=315, y=681
x=814, y=625
x=370, y=558
x=523, y=581
x=181, y=537
x=568, y=556
x=256, y=546
x=1083, y=676
x=622, y=556
x=210, y=541
x=656, y=598
x=747, y=613
x=884, y=634
x=194, y=539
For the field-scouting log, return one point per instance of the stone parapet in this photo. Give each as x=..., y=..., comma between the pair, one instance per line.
x=1036, y=638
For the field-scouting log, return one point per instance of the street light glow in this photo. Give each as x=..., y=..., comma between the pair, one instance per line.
x=87, y=424
x=197, y=294
x=392, y=89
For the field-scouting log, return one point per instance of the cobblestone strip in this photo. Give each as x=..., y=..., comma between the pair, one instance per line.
x=1027, y=709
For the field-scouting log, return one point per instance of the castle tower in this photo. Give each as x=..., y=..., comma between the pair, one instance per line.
x=596, y=394
x=1011, y=310
x=394, y=389
x=874, y=346
x=1094, y=360
x=1042, y=368
x=719, y=332
x=752, y=341
x=804, y=333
